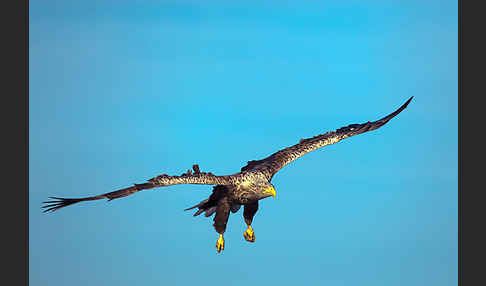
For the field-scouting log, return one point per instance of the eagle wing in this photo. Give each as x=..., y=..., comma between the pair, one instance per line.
x=163, y=180
x=273, y=163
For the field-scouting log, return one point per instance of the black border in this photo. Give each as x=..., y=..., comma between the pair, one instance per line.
x=471, y=215
x=471, y=166
x=15, y=212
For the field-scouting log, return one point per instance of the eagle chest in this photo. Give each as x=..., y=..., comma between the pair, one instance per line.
x=243, y=194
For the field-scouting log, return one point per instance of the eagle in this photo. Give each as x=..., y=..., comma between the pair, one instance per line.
x=244, y=188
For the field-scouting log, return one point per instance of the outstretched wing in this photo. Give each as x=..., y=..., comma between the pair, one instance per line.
x=273, y=163
x=164, y=180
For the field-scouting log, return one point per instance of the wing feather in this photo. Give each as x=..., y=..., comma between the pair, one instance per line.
x=273, y=163
x=164, y=180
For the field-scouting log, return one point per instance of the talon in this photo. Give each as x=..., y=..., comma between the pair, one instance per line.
x=220, y=243
x=249, y=234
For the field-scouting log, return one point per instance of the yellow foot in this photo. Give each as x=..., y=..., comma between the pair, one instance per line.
x=249, y=234
x=220, y=243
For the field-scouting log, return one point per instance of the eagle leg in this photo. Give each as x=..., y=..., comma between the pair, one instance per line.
x=223, y=208
x=248, y=213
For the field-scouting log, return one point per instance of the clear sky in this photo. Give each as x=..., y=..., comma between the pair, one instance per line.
x=122, y=91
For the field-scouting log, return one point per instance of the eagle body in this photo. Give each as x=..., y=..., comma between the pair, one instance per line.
x=244, y=188
x=247, y=190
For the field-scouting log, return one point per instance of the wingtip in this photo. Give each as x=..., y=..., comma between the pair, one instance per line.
x=405, y=104
x=401, y=108
x=408, y=101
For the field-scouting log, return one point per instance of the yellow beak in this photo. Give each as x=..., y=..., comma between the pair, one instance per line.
x=271, y=191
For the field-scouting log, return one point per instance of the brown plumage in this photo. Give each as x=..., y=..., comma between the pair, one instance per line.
x=245, y=188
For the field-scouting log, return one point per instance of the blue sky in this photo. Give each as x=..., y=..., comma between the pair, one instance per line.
x=121, y=92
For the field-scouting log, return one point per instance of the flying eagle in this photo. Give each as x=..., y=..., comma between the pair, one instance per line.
x=245, y=188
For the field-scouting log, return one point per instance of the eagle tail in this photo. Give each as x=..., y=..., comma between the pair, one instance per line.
x=203, y=206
